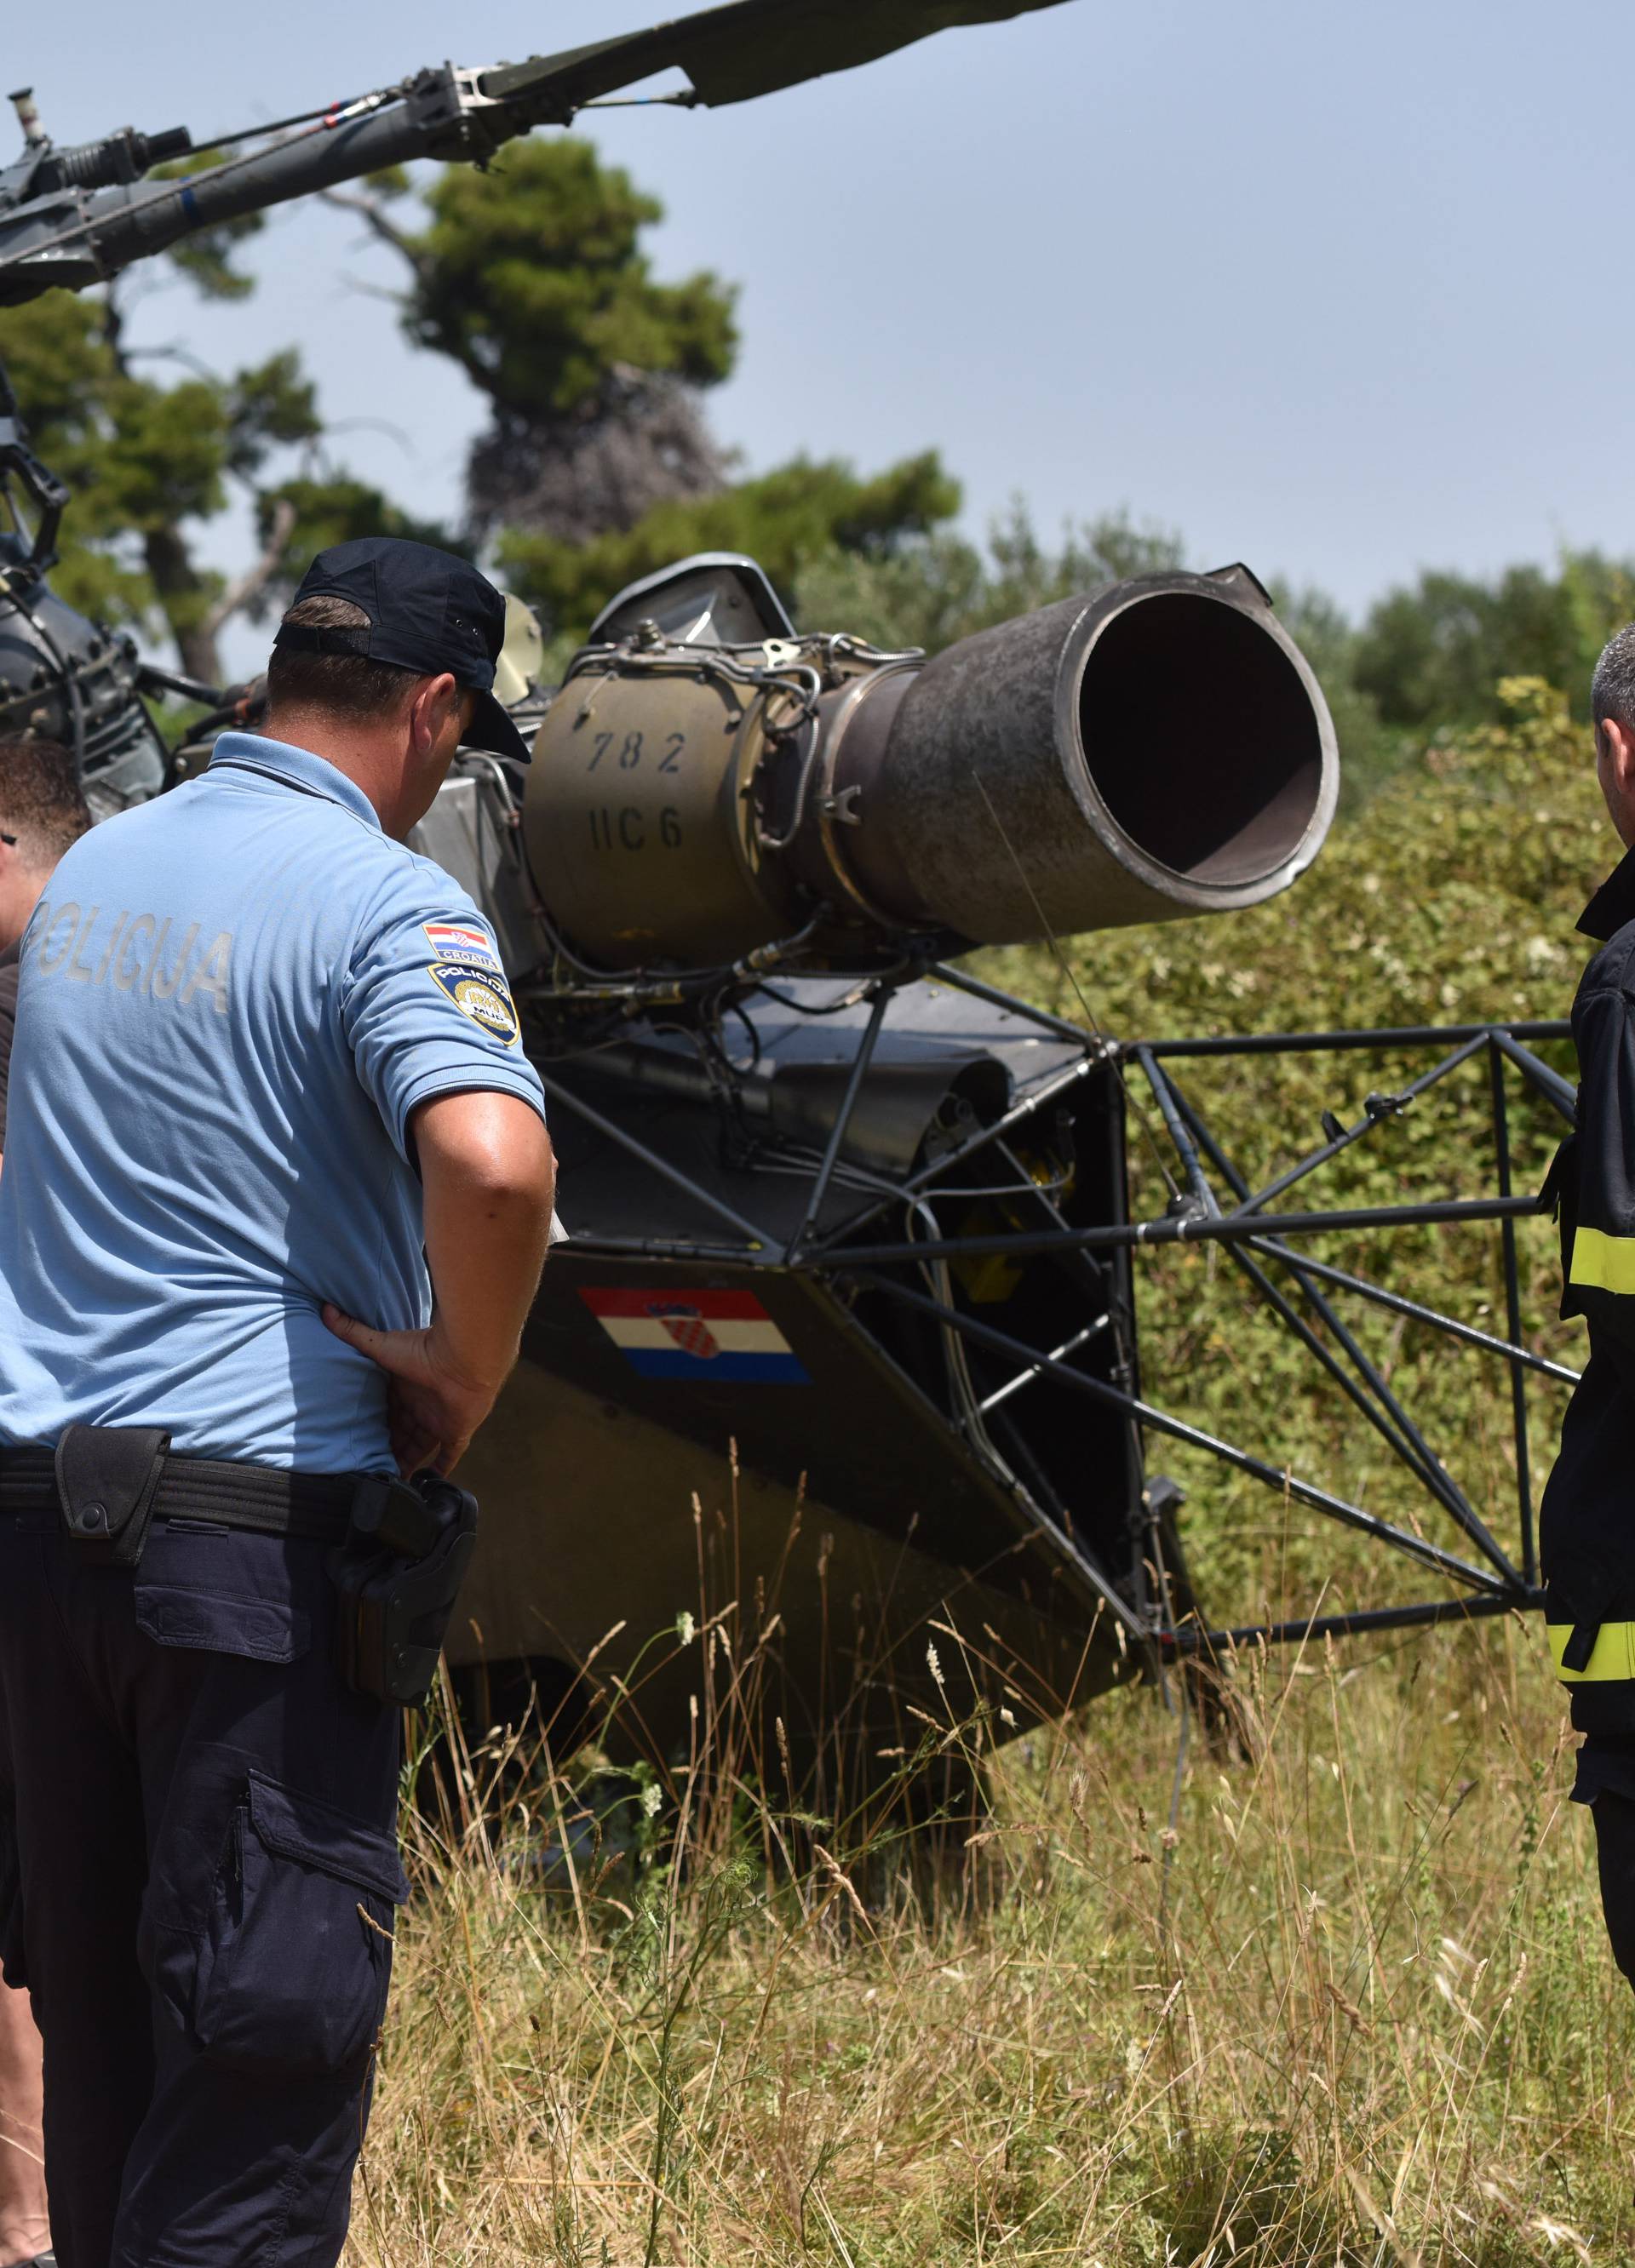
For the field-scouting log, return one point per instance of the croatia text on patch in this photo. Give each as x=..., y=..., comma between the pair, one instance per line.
x=725, y=1336
x=484, y=998
x=461, y=941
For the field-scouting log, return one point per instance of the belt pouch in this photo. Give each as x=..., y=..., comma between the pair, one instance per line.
x=107, y=1479
x=396, y=1579
x=1576, y=1653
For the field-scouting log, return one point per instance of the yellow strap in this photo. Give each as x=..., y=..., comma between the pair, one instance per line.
x=1606, y=1263
x=1611, y=1660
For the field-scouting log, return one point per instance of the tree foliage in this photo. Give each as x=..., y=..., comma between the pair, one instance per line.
x=533, y=278
x=803, y=512
x=530, y=276
x=1433, y=653
x=931, y=587
x=595, y=466
x=152, y=458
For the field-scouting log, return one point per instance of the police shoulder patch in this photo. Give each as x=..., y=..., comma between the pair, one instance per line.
x=485, y=997
x=453, y=940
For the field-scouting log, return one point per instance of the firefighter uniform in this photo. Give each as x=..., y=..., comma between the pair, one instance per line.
x=1588, y=1515
x=230, y=1004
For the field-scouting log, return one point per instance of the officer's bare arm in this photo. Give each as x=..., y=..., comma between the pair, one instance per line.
x=488, y=1176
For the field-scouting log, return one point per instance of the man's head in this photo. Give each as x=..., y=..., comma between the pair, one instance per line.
x=41, y=813
x=1612, y=704
x=384, y=665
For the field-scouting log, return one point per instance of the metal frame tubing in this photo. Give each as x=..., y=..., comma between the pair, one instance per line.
x=926, y=1178
x=1162, y=1094
x=1230, y=1228
x=1384, y=1037
x=1401, y=1433
x=1350, y=1515
x=1406, y=1443
x=1270, y=1248
x=1354, y=1625
x=669, y=1247
x=1203, y=1220
x=1187, y=1129
x=1251, y=1234
x=758, y=1237
x=1014, y=1384
x=1062, y=1026
x=1556, y=1090
x=1403, y=1437
x=1512, y=1315
x=1365, y=1124
x=864, y=1057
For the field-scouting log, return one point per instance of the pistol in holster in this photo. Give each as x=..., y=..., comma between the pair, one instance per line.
x=396, y=1579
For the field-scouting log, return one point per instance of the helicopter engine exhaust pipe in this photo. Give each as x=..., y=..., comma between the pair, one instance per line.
x=1154, y=749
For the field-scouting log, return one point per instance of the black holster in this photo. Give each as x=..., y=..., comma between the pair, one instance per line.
x=106, y=1477
x=396, y=1579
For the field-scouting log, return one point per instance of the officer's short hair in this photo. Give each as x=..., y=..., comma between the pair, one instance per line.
x=40, y=802
x=1612, y=688
x=343, y=684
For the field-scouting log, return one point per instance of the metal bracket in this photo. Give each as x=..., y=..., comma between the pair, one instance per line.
x=45, y=491
x=1186, y=1205
x=844, y=808
x=459, y=120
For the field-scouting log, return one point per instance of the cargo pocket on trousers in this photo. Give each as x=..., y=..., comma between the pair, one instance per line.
x=294, y=1966
x=11, y=1893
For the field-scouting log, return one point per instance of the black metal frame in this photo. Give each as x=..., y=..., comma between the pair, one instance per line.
x=1212, y=1204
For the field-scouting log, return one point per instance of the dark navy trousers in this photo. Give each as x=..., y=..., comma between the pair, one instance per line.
x=198, y=1882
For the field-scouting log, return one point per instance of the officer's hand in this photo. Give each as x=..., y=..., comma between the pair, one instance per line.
x=432, y=1408
x=487, y=1179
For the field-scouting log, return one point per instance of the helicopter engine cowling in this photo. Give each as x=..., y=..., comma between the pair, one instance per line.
x=708, y=787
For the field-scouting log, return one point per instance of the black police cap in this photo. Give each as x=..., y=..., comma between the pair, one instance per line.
x=428, y=611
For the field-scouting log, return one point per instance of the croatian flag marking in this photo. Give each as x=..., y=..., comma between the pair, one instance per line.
x=699, y=1335
x=459, y=941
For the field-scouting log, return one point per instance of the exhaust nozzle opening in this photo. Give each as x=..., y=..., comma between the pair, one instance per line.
x=1201, y=740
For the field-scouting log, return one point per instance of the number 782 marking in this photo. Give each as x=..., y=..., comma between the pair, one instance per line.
x=632, y=748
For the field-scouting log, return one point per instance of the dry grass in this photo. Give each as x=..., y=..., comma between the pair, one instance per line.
x=1356, y=2008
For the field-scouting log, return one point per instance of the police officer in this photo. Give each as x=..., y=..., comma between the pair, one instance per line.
x=1587, y=1523
x=268, y=1075
x=42, y=812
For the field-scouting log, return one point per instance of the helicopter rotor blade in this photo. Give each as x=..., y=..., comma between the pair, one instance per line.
x=747, y=48
x=91, y=217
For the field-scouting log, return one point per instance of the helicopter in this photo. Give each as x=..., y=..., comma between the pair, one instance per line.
x=850, y=1240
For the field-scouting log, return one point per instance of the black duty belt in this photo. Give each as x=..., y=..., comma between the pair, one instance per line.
x=214, y=1492
x=404, y=1545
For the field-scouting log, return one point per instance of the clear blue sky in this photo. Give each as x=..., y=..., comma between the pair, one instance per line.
x=1342, y=292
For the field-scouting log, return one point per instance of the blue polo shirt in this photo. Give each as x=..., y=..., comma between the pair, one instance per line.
x=232, y=999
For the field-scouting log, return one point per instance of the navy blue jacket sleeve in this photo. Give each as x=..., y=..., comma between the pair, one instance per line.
x=1600, y=1254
